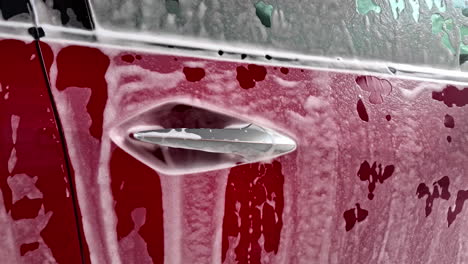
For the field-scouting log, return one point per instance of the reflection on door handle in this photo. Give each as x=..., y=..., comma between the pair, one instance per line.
x=248, y=140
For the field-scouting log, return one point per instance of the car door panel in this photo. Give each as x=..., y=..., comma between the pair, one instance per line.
x=37, y=213
x=356, y=190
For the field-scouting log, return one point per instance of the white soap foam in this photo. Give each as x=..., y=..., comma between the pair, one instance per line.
x=14, y=127
x=23, y=185
x=12, y=160
x=195, y=64
x=173, y=225
x=14, y=233
x=9, y=252
x=315, y=103
x=285, y=83
x=147, y=79
x=99, y=252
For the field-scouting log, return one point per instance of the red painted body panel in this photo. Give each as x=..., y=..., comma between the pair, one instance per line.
x=348, y=194
x=36, y=209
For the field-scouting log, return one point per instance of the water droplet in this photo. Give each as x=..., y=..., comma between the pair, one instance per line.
x=378, y=88
x=128, y=58
x=361, y=108
x=451, y=95
x=194, y=74
x=449, y=121
x=247, y=77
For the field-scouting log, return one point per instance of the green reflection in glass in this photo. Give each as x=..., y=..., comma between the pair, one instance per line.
x=365, y=6
x=415, y=6
x=440, y=4
x=463, y=40
x=443, y=26
x=429, y=4
x=397, y=7
x=263, y=12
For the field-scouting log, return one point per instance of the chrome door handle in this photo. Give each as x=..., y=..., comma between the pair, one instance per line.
x=249, y=141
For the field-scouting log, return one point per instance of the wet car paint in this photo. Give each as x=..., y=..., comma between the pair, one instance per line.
x=296, y=209
x=36, y=209
x=313, y=206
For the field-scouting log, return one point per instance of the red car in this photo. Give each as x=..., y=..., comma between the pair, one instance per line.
x=177, y=132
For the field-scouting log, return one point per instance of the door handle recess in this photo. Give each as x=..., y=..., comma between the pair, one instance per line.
x=248, y=140
x=179, y=138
